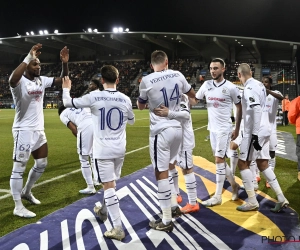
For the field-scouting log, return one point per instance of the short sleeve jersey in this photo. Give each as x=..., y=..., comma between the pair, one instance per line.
x=163, y=88
x=188, y=137
x=110, y=110
x=28, y=99
x=219, y=98
x=254, y=94
x=272, y=106
x=81, y=117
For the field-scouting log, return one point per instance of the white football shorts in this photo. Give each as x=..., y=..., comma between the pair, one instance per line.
x=219, y=142
x=164, y=148
x=27, y=141
x=85, y=140
x=273, y=142
x=249, y=153
x=109, y=169
x=185, y=159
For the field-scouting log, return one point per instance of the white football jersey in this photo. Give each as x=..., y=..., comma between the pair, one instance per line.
x=81, y=117
x=219, y=98
x=254, y=94
x=111, y=110
x=28, y=98
x=163, y=88
x=188, y=137
x=272, y=105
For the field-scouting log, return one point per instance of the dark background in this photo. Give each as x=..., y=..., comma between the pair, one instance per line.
x=270, y=19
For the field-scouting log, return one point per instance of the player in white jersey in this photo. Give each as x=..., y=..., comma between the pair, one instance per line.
x=220, y=95
x=28, y=87
x=272, y=102
x=255, y=142
x=164, y=87
x=111, y=111
x=185, y=155
x=79, y=121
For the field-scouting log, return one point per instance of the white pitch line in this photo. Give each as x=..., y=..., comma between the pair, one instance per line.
x=73, y=172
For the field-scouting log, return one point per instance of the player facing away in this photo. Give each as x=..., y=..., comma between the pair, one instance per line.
x=164, y=87
x=255, y=141
x=28, y=87
x=111, y=111
x=220, y=95
x=185, y=155
x=79, y=121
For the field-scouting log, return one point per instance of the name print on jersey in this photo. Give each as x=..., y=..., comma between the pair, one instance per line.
x=158, y=79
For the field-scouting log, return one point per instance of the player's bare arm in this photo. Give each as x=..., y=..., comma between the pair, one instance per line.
x=276, y=95
x=16, y=75
x=64, y=57
x=73, y=128
x=238, y=119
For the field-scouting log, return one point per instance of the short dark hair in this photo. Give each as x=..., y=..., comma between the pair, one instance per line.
x=96, y=82
x=219, y=60
x=158, y=57
x=109, y=73
x=269, y=78
x=61, y=109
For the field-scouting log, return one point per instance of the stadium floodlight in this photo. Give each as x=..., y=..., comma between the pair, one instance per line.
x=55, y=31
x=46, y=32
x=27, y=33
x=126, y=30
x=95, y=30
x=120, y=29
x=89, y=30
x=115, y=30
x=41, y=32
x=31, y=32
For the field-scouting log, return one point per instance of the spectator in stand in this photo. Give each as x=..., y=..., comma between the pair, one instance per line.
x=285, y=109
x=294, y=118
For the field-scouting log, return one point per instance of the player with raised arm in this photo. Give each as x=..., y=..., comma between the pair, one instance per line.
x=164, y=87
x=272, y=102
x=220, y=95
x=28, y=87
x=79, y=121
x=255, y=141
x=111, y=111
x=185, y=155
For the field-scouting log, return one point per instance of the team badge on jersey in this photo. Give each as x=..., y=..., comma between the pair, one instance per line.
x=225, y=91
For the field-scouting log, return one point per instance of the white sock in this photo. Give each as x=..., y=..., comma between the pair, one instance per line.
x=272, y=163
x=173, y=192
x=113, y=207
x=220, y=178
x=233, y=160
x=174, y=174
x=191, y=185
x=229, y=175
x=94, y=170
x=164, y=198
x=35, y=173
x=253, y=167
x=16, y=183
x=271, y=178
x=248, y=184
x=86, y=170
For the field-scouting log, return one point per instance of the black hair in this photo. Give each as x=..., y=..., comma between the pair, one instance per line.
x=269, y=78
x=96, y=82
x=61, y=109
x=219, y=60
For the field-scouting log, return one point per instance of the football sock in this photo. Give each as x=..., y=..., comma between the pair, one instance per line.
x=220, y=178
x=113, y=207
x=164, y=198
x=191, y=185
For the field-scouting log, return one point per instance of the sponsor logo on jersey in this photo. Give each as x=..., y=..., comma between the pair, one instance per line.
x=37, y=92
x=216, y=99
